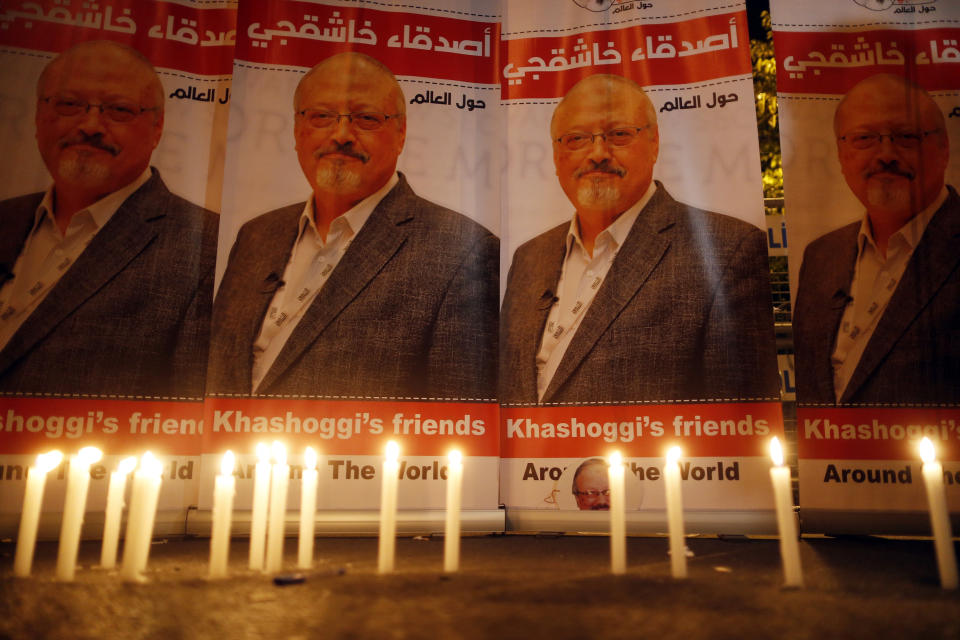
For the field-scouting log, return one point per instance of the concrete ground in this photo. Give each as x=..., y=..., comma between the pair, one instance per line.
x=510, y=586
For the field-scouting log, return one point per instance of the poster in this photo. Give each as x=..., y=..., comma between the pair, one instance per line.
x=107, y=277
x=868, y=108
x=358, y=255
x=636, y=310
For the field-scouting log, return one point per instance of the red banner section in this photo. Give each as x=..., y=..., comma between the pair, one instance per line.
x=684, y=52
x=831, y=62
x=352, y=426
x=172, y=35
x=117, y=427
x=303, y=33
x=864, y=433
x=715, y=429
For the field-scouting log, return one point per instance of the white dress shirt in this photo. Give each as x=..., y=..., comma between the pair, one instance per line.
x=311, y=262
x=47, y=254
x=875, y=278
x=581, y=276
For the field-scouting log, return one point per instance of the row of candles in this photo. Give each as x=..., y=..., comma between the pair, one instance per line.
x=269, y=513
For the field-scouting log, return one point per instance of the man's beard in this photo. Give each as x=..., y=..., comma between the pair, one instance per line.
x=337, y=176
x=887, y=192
x=85, y=169
x=598, y=191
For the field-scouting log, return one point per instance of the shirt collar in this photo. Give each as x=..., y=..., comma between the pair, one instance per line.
x=911, y=233
x=100, y=211
x=619, y=229
x=355, y=217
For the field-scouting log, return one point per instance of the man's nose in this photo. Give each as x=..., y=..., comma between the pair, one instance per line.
x=599, y=149
x=343, y=131
x=92, y=121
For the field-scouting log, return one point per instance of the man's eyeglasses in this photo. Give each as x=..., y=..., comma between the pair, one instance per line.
x=619, y=137
x=593, y=493
x=115, y=111
x=366, y=120
x=902, y=139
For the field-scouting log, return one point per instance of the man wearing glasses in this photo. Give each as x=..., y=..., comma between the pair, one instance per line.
x=106, y=279
x=639, y=298
x=366, y=289
x=878, y=306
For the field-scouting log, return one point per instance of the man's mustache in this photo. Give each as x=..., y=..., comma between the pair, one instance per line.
x=889, y=167
x=603, y=166
x=95, y=140
x=600, y=507
x=345, y=149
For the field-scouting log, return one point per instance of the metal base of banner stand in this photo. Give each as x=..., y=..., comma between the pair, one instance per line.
x=347, y=523
x=895, y=523
x=643, y=522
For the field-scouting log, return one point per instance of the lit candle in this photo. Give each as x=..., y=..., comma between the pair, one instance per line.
x=258, y=517
x=30, y=514
x=143, y=511
x=114, y=512
x=618, y=525
x=278, y=507
x=224, y=487
x=786, y=524
x=74, y=506
x=388, y=508
x=939, y=518
x=308, y=508
x=671, y=480
x=451, y=536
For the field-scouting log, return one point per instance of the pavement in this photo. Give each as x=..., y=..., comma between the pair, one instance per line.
x=509, y=586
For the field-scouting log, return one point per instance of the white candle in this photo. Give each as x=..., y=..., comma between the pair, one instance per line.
x=939, y=517
x=308, y=508
x=74, y=507
x=143, y=511
x=280, y=479
x=786, y=523
x=30, y=514
x=451, y=535
x=618, y=524
x=388, y=508
x=258, y=517
x=224, y=487
x=114, y=512
x=671, y=480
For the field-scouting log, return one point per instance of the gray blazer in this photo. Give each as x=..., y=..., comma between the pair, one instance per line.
x=913, y=356
x=131, y=316
x=409, y=312
x=684, y=314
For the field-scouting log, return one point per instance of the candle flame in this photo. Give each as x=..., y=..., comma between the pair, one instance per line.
x=393, y=451
x=927, y=453
x=89, y=455
x=47, y=462
x=127, y=465
x=279, y=452
x=263, y=453
x=226, y=464
x=150, y=465
x=776, y=451
x=455, y=457
x=310, y=458
x=616, y=459
x=673, y=455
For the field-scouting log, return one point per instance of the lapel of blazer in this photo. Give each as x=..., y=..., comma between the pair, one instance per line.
x=643, y=249
x=380, y=238
x=834, y=291
x=16, y=227
x=541, y=289
x=124, y=236
x=932, y=262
